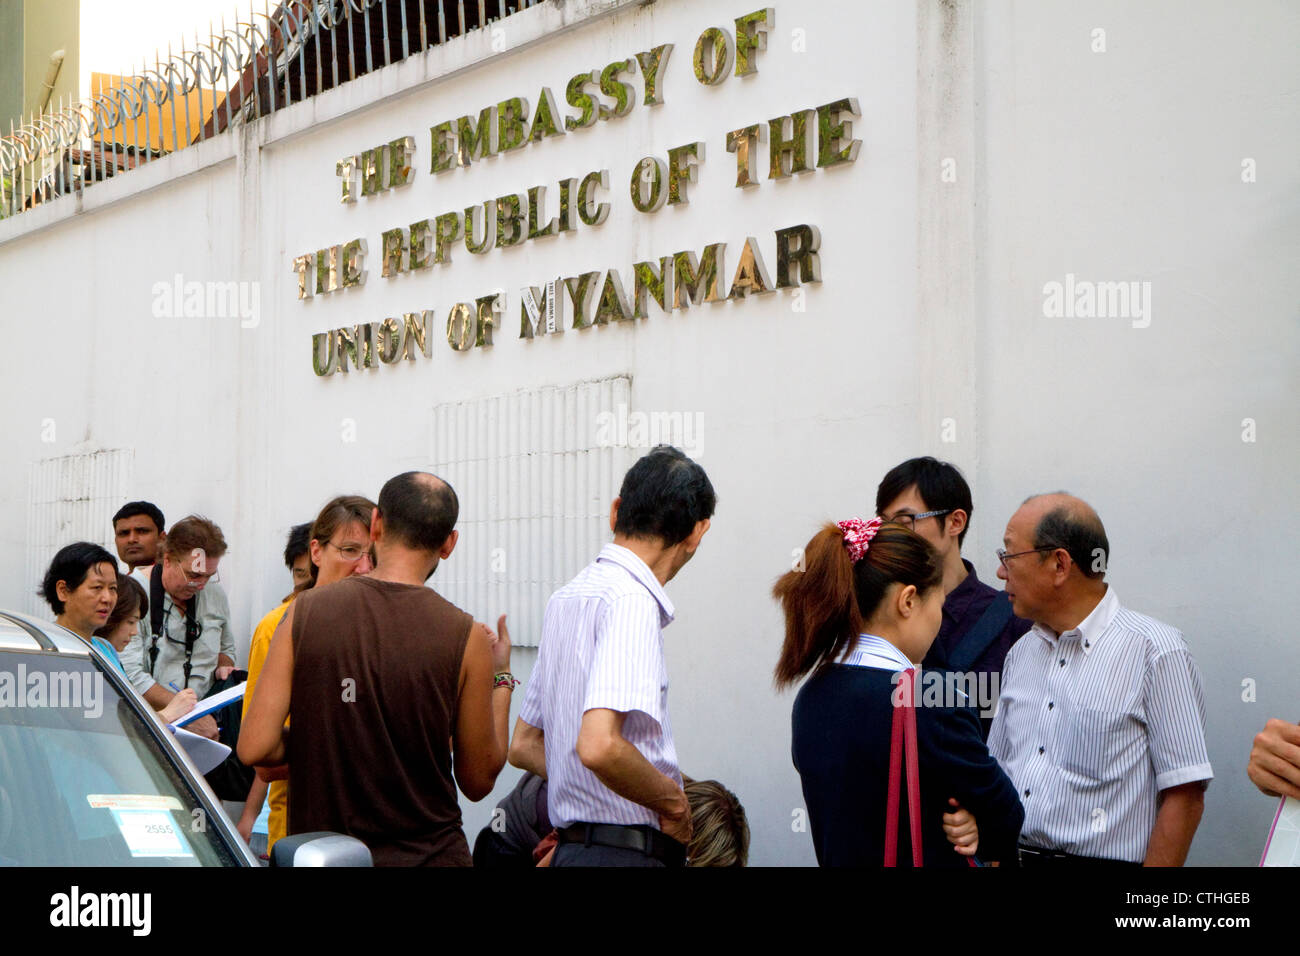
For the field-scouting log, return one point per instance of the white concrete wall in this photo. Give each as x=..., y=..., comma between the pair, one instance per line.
x=100, y=371
x=1127, y=164
x=1114, y=166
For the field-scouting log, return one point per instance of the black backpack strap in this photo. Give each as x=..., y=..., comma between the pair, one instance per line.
x=984, y=633
x=155, y=613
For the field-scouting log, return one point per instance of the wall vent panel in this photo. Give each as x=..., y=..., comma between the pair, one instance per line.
x=71, y=498
x=535, y=473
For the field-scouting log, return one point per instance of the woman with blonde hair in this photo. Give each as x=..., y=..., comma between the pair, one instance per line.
x=719, y=830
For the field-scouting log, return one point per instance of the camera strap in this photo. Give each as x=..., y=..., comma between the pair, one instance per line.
x=157, y=623
x=155, y=613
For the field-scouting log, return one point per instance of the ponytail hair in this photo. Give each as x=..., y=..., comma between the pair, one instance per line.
x=827, y=603
x=821, y=608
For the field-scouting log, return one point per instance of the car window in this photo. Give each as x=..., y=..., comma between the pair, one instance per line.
x=82, y=781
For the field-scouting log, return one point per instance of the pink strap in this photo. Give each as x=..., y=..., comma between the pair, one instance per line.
x=903, y=738
x=913, y=771
x=895, y=768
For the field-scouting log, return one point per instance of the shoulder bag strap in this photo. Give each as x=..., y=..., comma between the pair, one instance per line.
x=903, y=742
x=913, y=772
x=981, y=635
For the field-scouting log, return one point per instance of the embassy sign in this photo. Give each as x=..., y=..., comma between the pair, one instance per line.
x=808, y=140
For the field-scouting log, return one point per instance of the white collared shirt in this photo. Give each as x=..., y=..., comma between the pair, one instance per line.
x=873, y=651
x=1093, y=723
x=602, y=648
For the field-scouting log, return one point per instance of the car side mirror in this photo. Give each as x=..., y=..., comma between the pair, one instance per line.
x=320, y=849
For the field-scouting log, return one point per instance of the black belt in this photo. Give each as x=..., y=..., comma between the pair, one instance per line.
x=644, y=839
x=1037, y=856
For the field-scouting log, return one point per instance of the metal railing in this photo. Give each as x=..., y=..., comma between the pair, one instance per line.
x=267, y=61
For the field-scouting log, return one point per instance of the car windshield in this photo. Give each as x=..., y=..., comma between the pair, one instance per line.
x=82, y=781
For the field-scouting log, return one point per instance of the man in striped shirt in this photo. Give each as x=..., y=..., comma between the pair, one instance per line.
x=594, y=720
x=1101, y=723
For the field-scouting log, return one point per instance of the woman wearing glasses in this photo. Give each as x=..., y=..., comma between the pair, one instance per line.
x=339, y=547
x=860, y=616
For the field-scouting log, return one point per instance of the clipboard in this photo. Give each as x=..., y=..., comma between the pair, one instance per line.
x=209, y=704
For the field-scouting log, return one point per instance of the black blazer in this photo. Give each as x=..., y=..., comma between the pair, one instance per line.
x=841, y=723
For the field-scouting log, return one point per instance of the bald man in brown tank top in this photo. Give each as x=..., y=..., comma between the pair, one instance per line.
x=394, y=689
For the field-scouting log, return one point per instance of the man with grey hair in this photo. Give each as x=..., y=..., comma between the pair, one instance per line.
x=1101, y=723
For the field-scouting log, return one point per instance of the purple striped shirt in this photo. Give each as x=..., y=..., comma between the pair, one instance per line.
x=602, y=648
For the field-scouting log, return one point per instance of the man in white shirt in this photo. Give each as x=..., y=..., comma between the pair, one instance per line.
x=1101, y=723
x=594, y=719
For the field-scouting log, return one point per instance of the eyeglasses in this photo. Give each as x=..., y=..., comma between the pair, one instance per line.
x=351, y=553
x=1004, y=557
x=197, y=580
x=909, y=520
x=193, y=629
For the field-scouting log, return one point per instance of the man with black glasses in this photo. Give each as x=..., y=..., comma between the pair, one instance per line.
x=187, y=639
x=932, y=498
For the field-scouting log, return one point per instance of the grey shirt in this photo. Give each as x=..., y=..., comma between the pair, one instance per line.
x=215, y=638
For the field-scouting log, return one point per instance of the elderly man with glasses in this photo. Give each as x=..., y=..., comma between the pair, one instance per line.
x=932, y=498
x=1101, y=723
x=187, y=641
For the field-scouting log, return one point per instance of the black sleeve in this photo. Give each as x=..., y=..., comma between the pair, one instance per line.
x=980, y=785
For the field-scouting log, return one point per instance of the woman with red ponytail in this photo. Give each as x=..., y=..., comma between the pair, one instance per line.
x=859, y=618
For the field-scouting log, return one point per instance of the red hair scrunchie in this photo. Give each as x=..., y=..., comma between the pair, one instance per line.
x=858, y=535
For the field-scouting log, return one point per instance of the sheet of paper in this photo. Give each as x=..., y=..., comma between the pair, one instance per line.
x=133, y=801
x=209, y=704
x=1283, y=846
x=206, y=754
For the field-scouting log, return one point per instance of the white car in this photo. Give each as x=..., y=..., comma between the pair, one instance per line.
x=89, y=776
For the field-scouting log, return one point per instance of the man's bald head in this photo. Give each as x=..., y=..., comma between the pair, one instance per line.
x=419, y=510
x=1063, y=521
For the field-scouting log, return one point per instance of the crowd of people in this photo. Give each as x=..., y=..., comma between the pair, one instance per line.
x=1073, y=734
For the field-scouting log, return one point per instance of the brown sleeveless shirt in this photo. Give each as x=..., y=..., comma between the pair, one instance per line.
x=376, y=678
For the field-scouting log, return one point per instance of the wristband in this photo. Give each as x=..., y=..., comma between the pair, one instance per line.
x=504, y=679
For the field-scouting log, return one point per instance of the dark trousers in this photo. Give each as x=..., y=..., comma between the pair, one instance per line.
x=490, y=850
x=575, y=854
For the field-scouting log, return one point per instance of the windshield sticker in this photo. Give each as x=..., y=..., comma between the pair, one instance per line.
x=133, y=801
x=151, y=833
